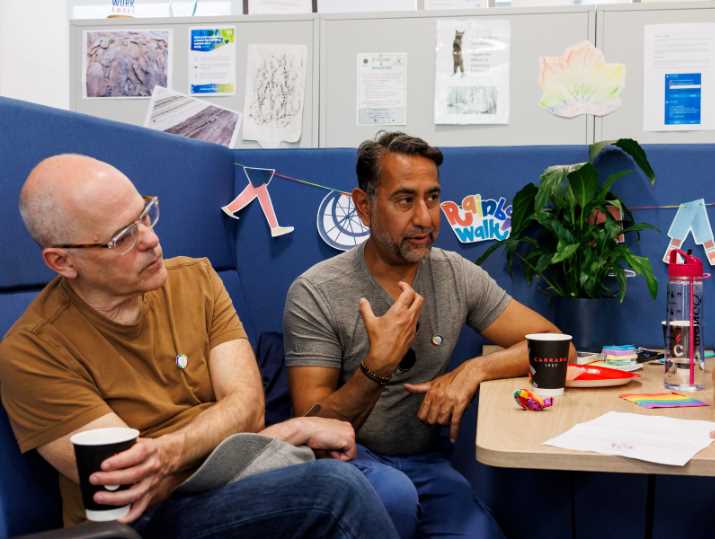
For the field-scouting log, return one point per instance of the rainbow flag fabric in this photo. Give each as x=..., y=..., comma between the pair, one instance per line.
x=662, y=400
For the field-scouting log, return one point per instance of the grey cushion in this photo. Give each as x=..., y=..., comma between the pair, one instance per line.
x=241, y=455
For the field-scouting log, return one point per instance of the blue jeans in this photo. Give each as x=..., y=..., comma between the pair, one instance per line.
x=325, y=498
x=425, y=495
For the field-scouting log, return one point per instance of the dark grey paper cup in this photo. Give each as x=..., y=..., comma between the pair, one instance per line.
x=548, y=360
x=91, y=448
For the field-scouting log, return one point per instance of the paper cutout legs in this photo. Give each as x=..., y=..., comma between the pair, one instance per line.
x=247, y=196
x=691, y=217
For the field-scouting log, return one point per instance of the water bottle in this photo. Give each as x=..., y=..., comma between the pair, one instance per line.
x=684, y=317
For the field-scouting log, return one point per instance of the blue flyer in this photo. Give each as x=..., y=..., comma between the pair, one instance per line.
x=212, y=61
x=683, y=98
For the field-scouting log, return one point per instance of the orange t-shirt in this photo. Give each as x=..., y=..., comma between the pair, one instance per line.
x=63, y=365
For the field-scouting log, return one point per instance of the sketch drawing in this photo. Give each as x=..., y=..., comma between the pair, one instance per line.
x=278, y=92
x=126, y=63
x=275, y=89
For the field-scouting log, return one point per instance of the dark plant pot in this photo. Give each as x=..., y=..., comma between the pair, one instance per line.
x=592, y=322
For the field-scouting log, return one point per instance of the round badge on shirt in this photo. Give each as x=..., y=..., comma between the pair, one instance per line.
x=182, y=361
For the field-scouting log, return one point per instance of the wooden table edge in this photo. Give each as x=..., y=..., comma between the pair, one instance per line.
x=587, y=462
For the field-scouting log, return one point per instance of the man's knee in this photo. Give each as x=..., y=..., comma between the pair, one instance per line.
x=339, y=483
x=395, y=489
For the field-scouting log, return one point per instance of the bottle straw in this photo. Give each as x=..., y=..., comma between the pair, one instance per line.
x=691, y=344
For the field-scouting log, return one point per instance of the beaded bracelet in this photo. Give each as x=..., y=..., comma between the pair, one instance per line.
x=372, y=375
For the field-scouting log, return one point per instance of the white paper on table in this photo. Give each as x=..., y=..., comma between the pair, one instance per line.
x=663, y=440
x=672, y=51
x=275, y=90
x=212, y=60
x=179, y=114
x=348, y=6
x=472, y=71
x=382, y=88
x=279, y=7
x=455, y=4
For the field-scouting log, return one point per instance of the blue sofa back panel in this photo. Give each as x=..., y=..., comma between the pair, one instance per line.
x=189, y=177
x=29, y=493
x=13, y=305
x=232, y=282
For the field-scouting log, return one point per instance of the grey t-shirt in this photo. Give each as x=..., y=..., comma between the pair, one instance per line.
x=323, y=327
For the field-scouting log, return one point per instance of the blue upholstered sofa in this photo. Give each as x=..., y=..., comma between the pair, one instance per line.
x=195, y=179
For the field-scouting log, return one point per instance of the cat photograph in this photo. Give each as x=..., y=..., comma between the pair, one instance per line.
x=457, y=59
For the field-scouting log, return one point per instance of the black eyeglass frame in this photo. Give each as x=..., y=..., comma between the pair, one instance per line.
x=151, y=201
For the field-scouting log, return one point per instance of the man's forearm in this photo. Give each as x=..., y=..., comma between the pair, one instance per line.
x=229, y=415
x=507, y=363
x=353, y=401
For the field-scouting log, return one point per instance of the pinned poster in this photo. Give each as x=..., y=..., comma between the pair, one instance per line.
x=125, y=63
x=478, y=219
x=179, y=114
x=472, y=71
x=691, y=217
x=212, y=61
x=338, y=222
x=679, y=77
x=258, y=181
x=275, y=89
x=382, y=88
x=580, y=82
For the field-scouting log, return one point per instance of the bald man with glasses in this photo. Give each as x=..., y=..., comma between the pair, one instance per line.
x=122, y=337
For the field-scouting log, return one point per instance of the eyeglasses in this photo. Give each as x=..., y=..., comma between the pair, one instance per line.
x=126, y=238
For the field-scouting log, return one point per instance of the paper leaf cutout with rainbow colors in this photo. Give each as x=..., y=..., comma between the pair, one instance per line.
x=580, y=82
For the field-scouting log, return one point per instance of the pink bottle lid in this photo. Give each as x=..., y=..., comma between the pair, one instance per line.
x=691, y=267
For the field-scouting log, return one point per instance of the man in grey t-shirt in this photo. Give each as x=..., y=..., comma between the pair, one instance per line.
x=369, y=335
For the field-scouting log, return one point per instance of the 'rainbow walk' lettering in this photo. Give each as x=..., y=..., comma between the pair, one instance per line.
x=478, y=219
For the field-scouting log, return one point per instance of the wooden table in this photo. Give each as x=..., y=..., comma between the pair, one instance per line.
x=508, y=436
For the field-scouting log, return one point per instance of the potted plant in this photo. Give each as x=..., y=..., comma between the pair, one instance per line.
x=568, y=233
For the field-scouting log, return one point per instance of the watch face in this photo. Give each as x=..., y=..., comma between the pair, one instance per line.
x=338, y=222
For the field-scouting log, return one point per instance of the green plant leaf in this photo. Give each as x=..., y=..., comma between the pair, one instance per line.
x=488, y=252
x=641, y=265
x=551, y=181
x=556, y=226
x=542, y=263
x=595, y=149
x=620, y=275
x=632, y=148
x=608, y=184
x=564, y=251
x=638, y=227
x=584, y=183
x=522, y=208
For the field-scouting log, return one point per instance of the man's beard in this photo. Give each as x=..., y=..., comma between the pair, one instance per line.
x=404, y=252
